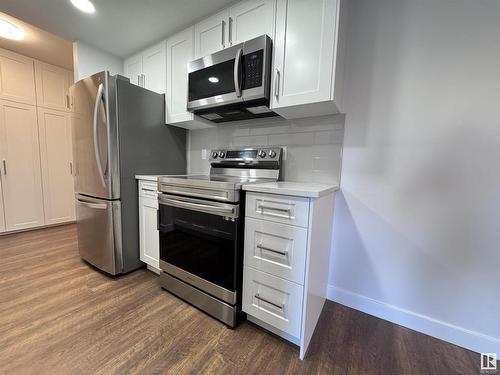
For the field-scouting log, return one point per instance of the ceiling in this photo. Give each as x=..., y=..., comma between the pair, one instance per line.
x=120, y=27
x=40, y=44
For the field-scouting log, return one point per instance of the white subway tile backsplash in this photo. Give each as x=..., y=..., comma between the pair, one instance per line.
x=291, y=139
x=314, y=145
x=255, y=140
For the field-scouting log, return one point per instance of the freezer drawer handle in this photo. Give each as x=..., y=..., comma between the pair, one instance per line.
x=98, y=206
x=279, y=306
x=262, y=247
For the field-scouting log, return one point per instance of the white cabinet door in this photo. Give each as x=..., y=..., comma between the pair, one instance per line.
x=17, y=78
x=180, y=50
x=305, y=45
x=148, y=233
x=20, y=162
x=154, y=68
x=250, y=19
x=2, y=217
x=52, y=86
x=211, y=34
x=132, y=68
x=57, y=170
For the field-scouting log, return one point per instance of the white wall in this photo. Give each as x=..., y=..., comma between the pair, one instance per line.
x=417, y=225
x=314, y=145
x=88, y=60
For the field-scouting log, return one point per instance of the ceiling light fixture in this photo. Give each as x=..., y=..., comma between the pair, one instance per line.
x=84, y=5
x=10, y=31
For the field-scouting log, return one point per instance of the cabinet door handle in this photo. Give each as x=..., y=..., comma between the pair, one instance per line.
x=223, y=26
x=272, y=250
x=4, y=167
x=138, y=80
x=230, y=31
x=263, y=207
x=279, y=306
x=143, y=80
x=277, y=83
x=71, y=168
x=68, y=105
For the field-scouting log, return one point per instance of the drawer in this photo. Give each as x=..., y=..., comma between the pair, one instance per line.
x=279, y=208
x=148, y=189
x=275, y=248
x=273, y=300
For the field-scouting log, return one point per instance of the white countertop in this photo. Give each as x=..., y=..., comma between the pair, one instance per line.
x=145, y=177
x=299, y=189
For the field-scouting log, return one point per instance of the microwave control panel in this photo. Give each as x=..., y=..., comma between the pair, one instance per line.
x=253, y=69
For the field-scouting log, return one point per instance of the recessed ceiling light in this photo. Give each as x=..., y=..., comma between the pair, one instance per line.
x=10, y=31
x=84, y=5
x=213, y=79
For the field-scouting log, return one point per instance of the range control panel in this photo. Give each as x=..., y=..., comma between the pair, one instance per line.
x=247, y=154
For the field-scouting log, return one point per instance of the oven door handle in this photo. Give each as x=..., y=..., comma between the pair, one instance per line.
x=221, y=211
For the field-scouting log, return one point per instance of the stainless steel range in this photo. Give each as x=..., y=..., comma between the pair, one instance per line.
x=200, y=220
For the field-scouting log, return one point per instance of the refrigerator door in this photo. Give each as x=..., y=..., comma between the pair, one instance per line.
x=96, y=137
x=99, y=233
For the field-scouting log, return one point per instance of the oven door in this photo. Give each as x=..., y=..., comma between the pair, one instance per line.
x=200, y=244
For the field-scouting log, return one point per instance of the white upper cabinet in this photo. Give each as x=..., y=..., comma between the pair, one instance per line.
x=147, y=68
x=308, y=54
x=245, y=20
x=154, y=68
x=132, y=68
x=20, y=163
x=52, y=86
x=180, y=50
x=249, y=19
x=211, y=34
x=17, y=78
x=57, y=166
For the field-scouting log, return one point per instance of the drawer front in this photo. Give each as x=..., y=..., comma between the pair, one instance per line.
x=279, y=208
x=273, y=300
x=275, y=248
x=148, y=189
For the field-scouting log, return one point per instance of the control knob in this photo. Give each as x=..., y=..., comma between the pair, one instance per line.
x=214, y=154
x=222, y=154
x=262, y=154
x=272, y=154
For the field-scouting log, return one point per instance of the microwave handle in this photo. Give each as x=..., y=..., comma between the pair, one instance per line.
x=237, y=64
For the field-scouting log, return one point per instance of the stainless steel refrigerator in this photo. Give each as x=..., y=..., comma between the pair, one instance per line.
x=118, y=131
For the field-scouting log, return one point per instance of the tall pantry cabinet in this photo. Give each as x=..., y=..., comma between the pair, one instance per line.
x=36, y=182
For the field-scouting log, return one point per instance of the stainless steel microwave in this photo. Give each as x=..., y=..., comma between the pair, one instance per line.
x=232, y=84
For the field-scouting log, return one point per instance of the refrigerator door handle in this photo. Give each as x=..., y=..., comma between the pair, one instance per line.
x=97, y=150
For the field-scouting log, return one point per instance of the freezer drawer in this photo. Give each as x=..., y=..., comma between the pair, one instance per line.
x=99, y=233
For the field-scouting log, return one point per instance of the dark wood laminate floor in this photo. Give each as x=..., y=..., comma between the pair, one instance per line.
x=59, y=316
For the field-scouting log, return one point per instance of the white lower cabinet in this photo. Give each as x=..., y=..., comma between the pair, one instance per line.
x=148, y=232
x=286, y=260
x=273, y=300
x=2, y=217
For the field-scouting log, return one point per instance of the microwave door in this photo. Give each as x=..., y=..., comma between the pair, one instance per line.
x=212, y=81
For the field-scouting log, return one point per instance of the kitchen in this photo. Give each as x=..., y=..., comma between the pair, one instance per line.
x=272, y=121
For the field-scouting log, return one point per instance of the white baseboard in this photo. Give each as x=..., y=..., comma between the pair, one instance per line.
x=465, y=338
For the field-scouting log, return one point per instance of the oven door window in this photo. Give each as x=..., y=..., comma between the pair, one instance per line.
x=202, y=244
x=214, y=80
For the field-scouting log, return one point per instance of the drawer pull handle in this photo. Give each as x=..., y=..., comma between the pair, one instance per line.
x=151, y=190
x=279, y=306
x=262, y=207
x=272, y=250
